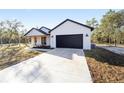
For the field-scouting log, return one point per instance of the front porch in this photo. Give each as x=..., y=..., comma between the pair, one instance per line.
x=39, y=41
x=39, y=38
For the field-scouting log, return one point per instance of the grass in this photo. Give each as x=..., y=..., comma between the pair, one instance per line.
x=11, y=55
x=105, y=66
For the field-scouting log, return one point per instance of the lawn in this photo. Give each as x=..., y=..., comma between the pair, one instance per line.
x=11, y=55
x=105, y=66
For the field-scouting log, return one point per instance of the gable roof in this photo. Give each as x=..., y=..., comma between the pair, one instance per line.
x=41, y=31
x=73, y=22
x=45, y=28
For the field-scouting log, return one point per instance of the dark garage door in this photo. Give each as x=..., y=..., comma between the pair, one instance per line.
x=69, y=41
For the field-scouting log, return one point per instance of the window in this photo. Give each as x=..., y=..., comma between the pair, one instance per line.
x=43, y=40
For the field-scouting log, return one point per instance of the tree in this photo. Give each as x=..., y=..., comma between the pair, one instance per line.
x=93, y=23
x=111, y=23
x=109, y=28
x=1, y=32
x=13, y=29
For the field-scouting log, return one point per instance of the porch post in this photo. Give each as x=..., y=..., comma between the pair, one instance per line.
x=32, y=41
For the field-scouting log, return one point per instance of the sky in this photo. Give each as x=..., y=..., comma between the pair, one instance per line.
x=49, y=17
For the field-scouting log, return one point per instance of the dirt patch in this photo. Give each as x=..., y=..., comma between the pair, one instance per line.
x=14, y=54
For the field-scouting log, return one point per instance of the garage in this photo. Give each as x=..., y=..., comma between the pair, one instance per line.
x=69, y=41
x=71, y=34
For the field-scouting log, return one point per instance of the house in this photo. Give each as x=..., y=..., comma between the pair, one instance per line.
x=67, y=34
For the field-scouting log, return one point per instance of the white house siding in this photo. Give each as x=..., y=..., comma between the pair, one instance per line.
x=70, y=28
x=48, y=40
x=34, y=33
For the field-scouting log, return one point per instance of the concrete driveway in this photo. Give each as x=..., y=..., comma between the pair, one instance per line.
x=57, y=65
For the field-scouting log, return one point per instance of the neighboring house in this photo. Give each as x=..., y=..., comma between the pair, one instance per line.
x=68, y=34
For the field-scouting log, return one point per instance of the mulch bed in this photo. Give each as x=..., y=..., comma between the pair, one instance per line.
x=105, y=66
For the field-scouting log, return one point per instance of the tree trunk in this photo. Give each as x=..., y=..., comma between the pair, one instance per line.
x=1, y=41
x=19, y=41
x=109, y=39
x=115, y=36
x=115, y=42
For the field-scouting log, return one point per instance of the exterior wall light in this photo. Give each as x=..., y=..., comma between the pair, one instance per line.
x=87, y=35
